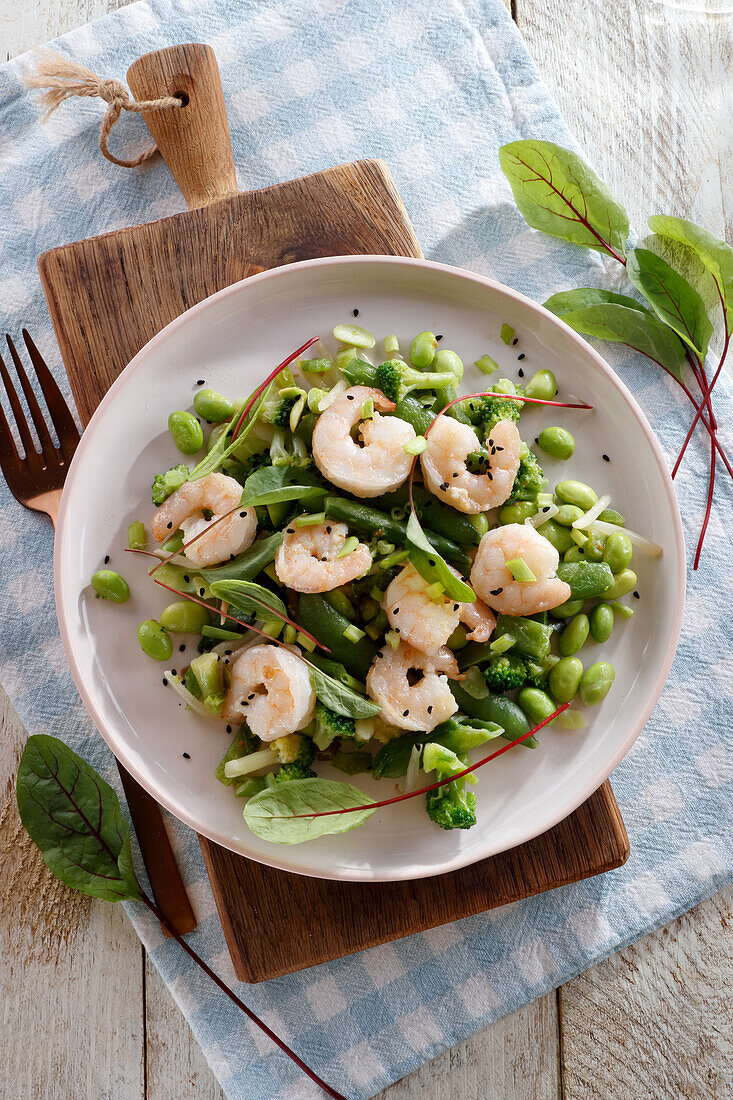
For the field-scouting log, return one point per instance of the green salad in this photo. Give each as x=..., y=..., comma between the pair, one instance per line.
x=378, y=577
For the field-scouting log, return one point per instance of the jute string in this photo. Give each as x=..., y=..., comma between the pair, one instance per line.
x=62, y=78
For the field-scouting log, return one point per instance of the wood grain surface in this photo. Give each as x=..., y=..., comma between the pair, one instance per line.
x=580, y=1044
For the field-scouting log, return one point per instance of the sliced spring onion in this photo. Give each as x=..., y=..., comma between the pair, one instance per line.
x=415, y=446
x=393, y=559
x=634, y=537
x=593, y=512
x=273, y=628
x=520, y=570
x=502, y=644
x=385, y=547
x=376, y=593
x=315, y=396
x=353, y=634
x=486, y=364
x=328, y=400
x=507, y=333
x=367, y=409
x=315, y=366
x=391, y=346
x=289, y=634
x=190, y=700
x=246, y=765
x=435, y=591
x=296, y=412
x=312, y=520
x=392, y=639
x=524, y=449
x=622, y=609
x=412, y=776
x=363, y=729
x=305, y=642
x=544, y=499
x=547, y=511
x=349, y=546
x=354, y=335
x=579, y=537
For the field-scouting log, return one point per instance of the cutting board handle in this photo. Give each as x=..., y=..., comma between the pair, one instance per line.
x=194, y=139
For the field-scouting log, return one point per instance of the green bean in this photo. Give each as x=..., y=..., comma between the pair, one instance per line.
x=623, y=583
x=556, y=442
x=568, y=514
x=391, y=346
x=371, y=521
x=422, y=349
x=610, y=515
x=596, y=683
x=439, y=517
x=576, y=492
x=558, y=536
x=341, y=602
x=531, y=639
x=567, y=610
x=184, y=617
x=186, y=432
x=495, y=708
x=447, y=362
x=564, y=679
x=153, y=640
x=457, y=639
x=517, y=512
x=536, y=704
x=622, y=609
x=586, y=578
x=212, y=406
x=618, y=552
x=328, y=625
x=111, y=586
x=542, y=384
x=575, y=635
x=354, y=335
x=601, y=622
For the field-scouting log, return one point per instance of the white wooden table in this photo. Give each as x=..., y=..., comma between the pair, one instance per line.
x=85, y=1015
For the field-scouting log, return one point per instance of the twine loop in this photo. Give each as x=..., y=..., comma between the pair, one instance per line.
x=61, y=78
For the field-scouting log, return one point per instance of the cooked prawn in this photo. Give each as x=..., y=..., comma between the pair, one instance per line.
x=494, y=582
x=271, y=688
x=425, y=623
x=410, y=689
x=375, y=463
x=307, y=559
x=444, y=464
x=183, y=509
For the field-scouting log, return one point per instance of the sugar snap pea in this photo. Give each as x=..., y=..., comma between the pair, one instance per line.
x=371, y=521
x=586, y=578
x=328, y=625
x=495, y=708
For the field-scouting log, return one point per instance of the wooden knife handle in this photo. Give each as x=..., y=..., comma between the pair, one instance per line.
x=194, y=139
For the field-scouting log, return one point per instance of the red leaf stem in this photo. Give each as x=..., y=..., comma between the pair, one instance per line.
x=707, y=400
x=708, y=507
x=439, y=783
x=513, y=397
x=185, y=545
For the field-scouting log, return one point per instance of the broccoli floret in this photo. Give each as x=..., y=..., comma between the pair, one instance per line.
x=167, y=483
x=328, y=725
x=485, y=412
x=276, y=408
x=293, y=771
x=281, y=456
x=255, y=462
x=395, y=379
x=530, y=479
x=505, y=672
x=451, y=806
x=294, y=748
x=477, y=462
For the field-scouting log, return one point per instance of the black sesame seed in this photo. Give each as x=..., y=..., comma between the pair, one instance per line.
x=520, y=372
x=355, y=312
x=106, y=559
x=637, y=596
x=521, y=356
x=186, y=756
x=169, y=525
x=444, y=486
x=396, y=611
x=456, y=606
x=181, y=648
x=328, y=530
x=165, y=682
x=289, y=530
x=227, y=652
x=380, y=654
x=515, y=341
x=439, y=336
x=496, y=591
x=546, y=508
x=405, y=713
x=202, y=591
x=201, y=382
x=455, y=475
x=489, y=475
x=430, y=710
x=605, y=458
x=431, y=562
x=349, y=397
x=174, y=671
x=242, y=515
x=251, y=695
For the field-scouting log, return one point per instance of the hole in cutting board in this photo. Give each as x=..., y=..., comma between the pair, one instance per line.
x=183, y=96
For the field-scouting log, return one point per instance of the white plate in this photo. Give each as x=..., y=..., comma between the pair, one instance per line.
x=232, y=340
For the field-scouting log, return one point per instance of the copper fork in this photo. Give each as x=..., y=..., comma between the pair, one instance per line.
x=36, y=481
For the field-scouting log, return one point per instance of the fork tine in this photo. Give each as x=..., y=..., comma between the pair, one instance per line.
x=20, y=420
x=10, y=463
x=61, y=417
x=47, y=447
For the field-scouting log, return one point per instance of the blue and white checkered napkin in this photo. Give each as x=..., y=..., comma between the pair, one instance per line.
x=435, y=88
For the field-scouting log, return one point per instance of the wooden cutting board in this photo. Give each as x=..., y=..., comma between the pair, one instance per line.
x=107, y=297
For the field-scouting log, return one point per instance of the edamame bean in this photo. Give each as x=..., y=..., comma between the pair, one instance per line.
x=354, y=335
x=575, y=553
x=447, y=362
x=186, y=432
x=111, y=586
x=601, y=622
x=568, y=514
x=618, y=552
x=564, y=679
x=213, y=406
x=517, y=513
x=557, y=443
x=136, y=536
x=184, y=617
x=542, y=384
x=422, y=349
x=559, y=536
x=596, y=683
x=574, y=636
x=594, y=547
x=153, y=640
x=610, y=515
x=623, y=583
x=567, y=610
x=576, y=492
x=536, y=704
